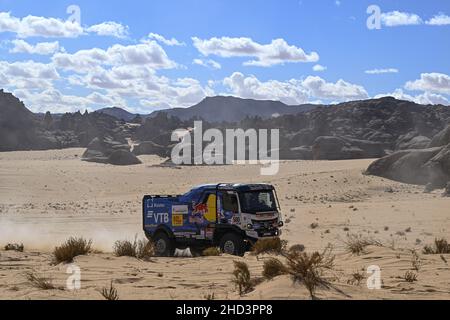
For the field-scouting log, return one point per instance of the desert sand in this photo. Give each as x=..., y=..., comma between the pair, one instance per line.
x=48, y=196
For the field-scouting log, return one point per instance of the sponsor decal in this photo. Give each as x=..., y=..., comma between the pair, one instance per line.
x=177, y=220
x=180, y=209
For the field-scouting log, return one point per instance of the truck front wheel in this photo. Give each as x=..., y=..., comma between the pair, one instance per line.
x=164, y=246
x=233, y=244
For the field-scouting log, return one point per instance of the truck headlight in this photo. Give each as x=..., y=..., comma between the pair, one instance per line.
x=250, y=226
x=280, y=224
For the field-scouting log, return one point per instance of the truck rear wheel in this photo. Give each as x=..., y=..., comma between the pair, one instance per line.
x=164, y=246
x=233, y=244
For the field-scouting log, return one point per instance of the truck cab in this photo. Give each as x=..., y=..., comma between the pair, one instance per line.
x=230, y=216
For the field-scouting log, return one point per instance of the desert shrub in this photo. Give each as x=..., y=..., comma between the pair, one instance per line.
x=38, y=281
x=297, y=247
x=273, y=268
x=356, y=244
x=210, y=296
x=410, y=276
x=242, y=278
x=309, y=268
x=139, y=249
x=269, y=245
x=72, y=248
x=416, y=262
x=357, y=278
x=440, y=246
x=110, y=293
x=145, y=250
x=211, y=252
x=314, y=225
x=14, y=247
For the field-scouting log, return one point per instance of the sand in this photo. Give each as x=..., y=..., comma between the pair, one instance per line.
x=48, y=196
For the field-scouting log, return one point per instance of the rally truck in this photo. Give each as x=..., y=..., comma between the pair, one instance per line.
x=231, y=217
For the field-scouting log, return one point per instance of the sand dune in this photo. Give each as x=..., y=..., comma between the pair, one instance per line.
x=48, y=196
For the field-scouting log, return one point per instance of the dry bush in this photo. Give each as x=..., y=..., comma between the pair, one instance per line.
x=356, y=244
x=297, y=247
x=410, y=276
x=269, y=245
x=273, y=268
x=440, y=246
x=72, y=248
x=39, y=282
x=211, y=252
x=416, y=262
x=356, y=278
x=309, y=268
x=242, y=278
x=14, y=247
x=210, y=296
x=110, y=293
x=139, y=249
x=314, y=225
x=145, y=250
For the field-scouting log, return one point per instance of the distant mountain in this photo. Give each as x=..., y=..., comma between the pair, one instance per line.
x=118, y=113
x=232, y=109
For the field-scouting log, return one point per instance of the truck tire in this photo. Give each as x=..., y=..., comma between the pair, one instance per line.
x=233, y=244
x=164, y=245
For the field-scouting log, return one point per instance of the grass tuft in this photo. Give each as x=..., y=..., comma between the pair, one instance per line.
x=273, y=268
x=211, y=252
x=440, y=246
x=139, y=249
x=110, y=293
x=309, y=268
x=242, y=278
x=39, y=282
x=270, y=245
x=72, y=248
x=410, y=276
x=356, y=244
x=14, y=247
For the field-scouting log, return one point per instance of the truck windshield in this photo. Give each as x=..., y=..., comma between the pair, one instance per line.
x=257, y=201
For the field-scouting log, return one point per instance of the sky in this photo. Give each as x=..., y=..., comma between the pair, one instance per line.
x=64, y=56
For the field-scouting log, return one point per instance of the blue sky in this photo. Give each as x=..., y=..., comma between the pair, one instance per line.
x=149, y=55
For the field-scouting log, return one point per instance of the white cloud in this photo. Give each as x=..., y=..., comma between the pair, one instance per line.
x=277, y=52
x=167, y=42
x=33, y=26
x=381, y=71
x=341, y=90
x=109, y=28
x=207, y=63
x=425, y=98
x=293, y=91
x=431, y=82
x=149, y=54
x=319, y=68
x=27, y=74
x=439, y=20
x=42, y=48
x=397, y=18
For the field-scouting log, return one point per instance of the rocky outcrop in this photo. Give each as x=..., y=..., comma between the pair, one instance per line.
x=441, y=139
x=429, y=166
x=412, y=140
x=123, y=158
x=106, y=150
x=151, y=148
x=340, y=148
